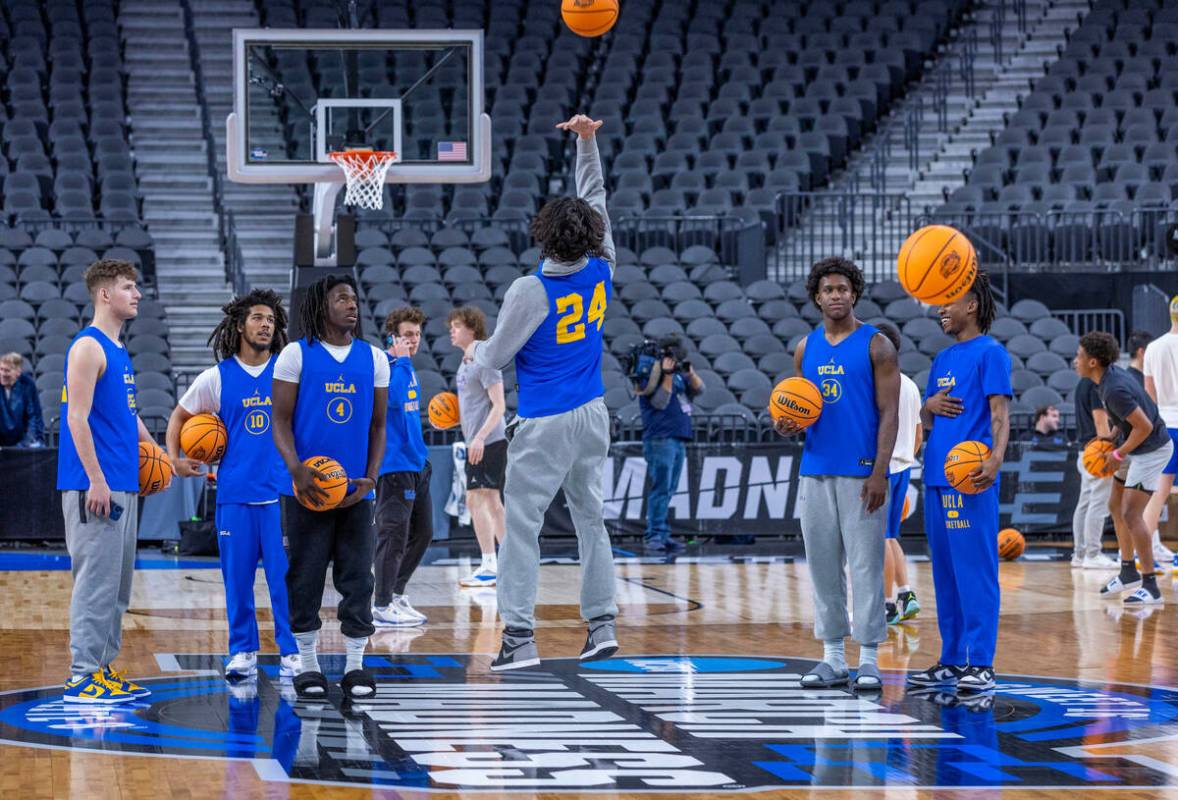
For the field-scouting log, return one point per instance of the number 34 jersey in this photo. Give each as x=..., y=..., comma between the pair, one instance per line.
x=559, y=367
x=251, y=470
x=843, y=439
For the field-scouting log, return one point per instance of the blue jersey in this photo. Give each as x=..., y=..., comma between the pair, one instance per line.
x=973, y=371
x=251, y=469
x=843, y=439
x=405, y=449
x=334, y=408
x=559, y=367
x=114, y=423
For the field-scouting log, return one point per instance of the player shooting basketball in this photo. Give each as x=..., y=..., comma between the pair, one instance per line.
x=550, y=324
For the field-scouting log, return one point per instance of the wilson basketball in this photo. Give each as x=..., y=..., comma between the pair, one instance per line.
x=1011, y=544
x=589, y=17
x=797, y=399
x=155, y=470
x=335, y=484
x=961, y=461
x=1094, y=453
x=443, y=410
x=937, y=264
x=203, y=438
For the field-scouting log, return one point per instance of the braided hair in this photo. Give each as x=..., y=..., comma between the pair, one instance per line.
x=226, y=337
x=313, y=311
x=987, y=308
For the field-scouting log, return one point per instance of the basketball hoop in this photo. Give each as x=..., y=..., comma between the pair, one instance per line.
x=364, y=171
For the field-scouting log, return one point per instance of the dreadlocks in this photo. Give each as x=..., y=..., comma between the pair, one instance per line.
x=226, y=337
x=987, y=309
x=313, y=311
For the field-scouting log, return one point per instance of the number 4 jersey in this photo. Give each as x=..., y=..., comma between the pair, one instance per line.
x=559, y=368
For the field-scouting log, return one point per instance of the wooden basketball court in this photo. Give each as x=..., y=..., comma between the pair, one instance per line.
x=701, y=701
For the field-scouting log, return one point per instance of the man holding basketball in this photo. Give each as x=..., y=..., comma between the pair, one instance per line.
x=550, y=324
x=98, y=476
x=249, y=524
x=843, y=493
x=330, y=393
x=967, y=399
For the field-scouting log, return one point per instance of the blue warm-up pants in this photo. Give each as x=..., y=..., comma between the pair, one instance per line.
x=245, y=534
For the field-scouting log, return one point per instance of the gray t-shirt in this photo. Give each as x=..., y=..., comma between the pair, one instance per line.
x=474, y=402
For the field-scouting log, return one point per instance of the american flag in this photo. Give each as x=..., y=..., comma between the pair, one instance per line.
x=451, y=151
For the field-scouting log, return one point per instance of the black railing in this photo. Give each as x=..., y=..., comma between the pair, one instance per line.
x=870, y=228
x=739, y=243
x=234, y=260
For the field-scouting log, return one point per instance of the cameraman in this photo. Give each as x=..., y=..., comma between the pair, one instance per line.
x=665, y=401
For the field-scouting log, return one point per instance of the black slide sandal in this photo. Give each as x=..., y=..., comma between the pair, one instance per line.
x=358, y=684
x=311, y=684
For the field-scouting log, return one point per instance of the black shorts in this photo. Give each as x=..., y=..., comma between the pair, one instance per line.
x=488, y=473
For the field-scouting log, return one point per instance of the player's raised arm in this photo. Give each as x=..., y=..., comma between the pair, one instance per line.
x=590, y=178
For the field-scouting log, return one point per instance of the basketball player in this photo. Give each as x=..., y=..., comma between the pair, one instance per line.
x=1161, y=381
x=404, y=512
x=330, y=393
x=550, y=323
x=967, y=399
x=1144, y=452
x=481, y=405
x=909, y=437
x=1092, y=504
x=843, y=492
x=98, y=476
x=249, y=524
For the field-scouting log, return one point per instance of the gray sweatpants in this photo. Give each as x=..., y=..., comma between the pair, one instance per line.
x=565, y=451
x=1091, y=512
x=839, y=532
x=102, y=559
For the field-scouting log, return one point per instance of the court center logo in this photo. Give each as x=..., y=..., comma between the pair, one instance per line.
x=679, y=724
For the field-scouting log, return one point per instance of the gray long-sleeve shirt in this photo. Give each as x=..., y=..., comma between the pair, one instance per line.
x=525, y=305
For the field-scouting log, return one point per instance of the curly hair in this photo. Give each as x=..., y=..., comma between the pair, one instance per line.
x=106, y=271
x=411, y=314
x=472, y=318
x=313, y=311
x=568, y=229
x=835, y=266
x=1101, y=346
x=226, y=337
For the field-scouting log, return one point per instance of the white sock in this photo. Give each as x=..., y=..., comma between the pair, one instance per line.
x=306, y=643
x=490, y=560
x=868, y=654
x=356, y=648
x=902, y=589
x=834, y=653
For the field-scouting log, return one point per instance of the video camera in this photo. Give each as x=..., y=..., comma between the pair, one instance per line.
x=642, y=359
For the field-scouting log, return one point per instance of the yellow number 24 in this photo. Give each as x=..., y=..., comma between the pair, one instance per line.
x=571, y=307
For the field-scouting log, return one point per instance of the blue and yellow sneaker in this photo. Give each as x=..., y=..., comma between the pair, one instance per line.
x=128, y=686
x=96, y=687
x=908, y=604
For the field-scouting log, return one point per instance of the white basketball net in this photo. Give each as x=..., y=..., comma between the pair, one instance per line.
x=365, y=171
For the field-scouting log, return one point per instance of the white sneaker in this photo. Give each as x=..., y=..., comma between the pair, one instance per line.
x=402, y=602
x=289, y=666
x=241, y=666
x=1162, y=553
x=1117, y=586
x=483, y=576
x=1101, y=561
x=1142, y=597
x=1077, y=561
x=391, y=616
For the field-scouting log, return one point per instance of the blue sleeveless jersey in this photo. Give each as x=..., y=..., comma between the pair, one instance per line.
x=559, y=367
x=405, y=449
x=843, y=439
x=334, y=408
x=251, y=469
x=114, y=423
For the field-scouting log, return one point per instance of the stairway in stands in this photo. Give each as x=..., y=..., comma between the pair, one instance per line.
x=171, y=155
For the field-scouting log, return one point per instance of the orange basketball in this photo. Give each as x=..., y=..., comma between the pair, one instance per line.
x=203, y=438
x=335, y=484
x=589, y=17
x=443, y=410
x=1094, y=453
x=155, y=470
x=961, y=461
x=937, y=264
x=904, y=511
x=1010, y=544
x=797, y=399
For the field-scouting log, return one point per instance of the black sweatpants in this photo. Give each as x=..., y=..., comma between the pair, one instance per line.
x=343, y=538
x=404, y=529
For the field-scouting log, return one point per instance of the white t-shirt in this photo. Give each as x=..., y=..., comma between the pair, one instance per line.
x=204, y=393
x=289, y=365
x=1161, y=364
x=903, y=455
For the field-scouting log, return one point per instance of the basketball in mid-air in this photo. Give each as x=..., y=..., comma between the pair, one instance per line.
x=589, y=17
x=937, y=264
x=961, y=461
x=155, y=470
x=334, y=484
x=797, y=399
x=443, y=410
x=1094, y=462
x=1011, y=544
x=203, y=438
